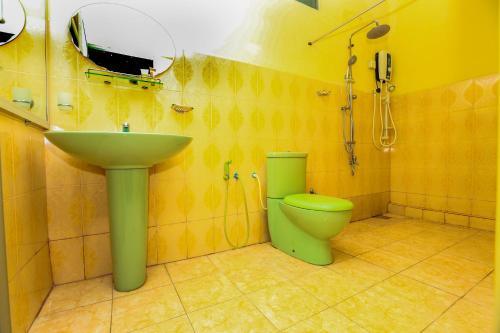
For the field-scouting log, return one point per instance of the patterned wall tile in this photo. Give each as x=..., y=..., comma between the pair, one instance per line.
x=458, y=153
x=97, y=255
x=66, y=256
x=172, y=242
x=64, y=207
x=25, y=219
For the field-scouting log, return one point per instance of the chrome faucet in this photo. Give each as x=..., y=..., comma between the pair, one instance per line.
x=125, y=127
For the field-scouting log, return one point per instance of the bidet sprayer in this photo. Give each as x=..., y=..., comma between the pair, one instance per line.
x=226, y=169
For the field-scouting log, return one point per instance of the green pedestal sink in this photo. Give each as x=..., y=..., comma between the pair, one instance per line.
x=126, y=158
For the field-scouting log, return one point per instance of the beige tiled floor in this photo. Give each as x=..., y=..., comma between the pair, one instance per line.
x=390, y=275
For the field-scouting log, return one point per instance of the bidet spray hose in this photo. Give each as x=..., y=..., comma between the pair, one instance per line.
x=256, y=176
x=226, y=207
x=246, y=214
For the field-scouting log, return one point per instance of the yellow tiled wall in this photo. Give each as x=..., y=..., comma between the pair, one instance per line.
x=22, y=61
x=22, y=150
x=22, y=153
x=443, y=167
x=241, y=112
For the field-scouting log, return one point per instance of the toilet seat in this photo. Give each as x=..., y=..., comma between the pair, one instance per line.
x=318, y=202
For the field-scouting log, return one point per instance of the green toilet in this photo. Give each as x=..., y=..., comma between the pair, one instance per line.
x=301, y=224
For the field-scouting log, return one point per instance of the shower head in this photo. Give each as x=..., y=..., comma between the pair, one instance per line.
x=378, y=31
x=352, y=60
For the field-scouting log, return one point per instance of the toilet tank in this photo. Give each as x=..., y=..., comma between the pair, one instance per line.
x=286, y=174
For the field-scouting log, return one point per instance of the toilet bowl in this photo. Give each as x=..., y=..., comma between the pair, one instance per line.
x=301, y=224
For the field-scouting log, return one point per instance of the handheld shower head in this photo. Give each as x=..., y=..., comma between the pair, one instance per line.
x=378, y=31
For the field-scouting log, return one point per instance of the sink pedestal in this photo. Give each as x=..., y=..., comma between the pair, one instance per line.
x=128, y=215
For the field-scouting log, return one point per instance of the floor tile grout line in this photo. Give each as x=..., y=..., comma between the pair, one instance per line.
x=361, y=291
x=137, y=291
x=324, y=310
x=474, y=286
x=351, y=319
x=40, y=309
x=259, y=311
x=210, y=305
x=439, y=288
x=359, y=324
x=191, y=278
x=310, y=294
x=333, y=307
x=244, y=295
x=442, y=313
x=425, y=258
x=230, y=300
x=440, y=252
x=154, y=324
x=387, y=244
x=179, y=297
x=75, y=307
x=307, y=318
x=343, y=300
x=82, y=281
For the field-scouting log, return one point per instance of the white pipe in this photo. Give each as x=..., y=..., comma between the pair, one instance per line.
x=256, y=176
x=345, y=23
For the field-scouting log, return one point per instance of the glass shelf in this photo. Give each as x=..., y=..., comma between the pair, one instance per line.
x=124, y=80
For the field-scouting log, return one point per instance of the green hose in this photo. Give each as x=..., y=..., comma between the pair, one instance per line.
x=246, y=213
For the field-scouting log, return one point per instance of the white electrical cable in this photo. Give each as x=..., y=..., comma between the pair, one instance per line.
x=256, y=176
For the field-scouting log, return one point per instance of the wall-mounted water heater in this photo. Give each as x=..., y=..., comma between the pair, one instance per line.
x=382, y=105
x=383, y=66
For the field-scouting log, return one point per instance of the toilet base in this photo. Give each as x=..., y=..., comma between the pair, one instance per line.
x=292, y=240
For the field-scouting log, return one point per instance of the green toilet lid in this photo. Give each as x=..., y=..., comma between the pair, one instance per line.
x=318, y=202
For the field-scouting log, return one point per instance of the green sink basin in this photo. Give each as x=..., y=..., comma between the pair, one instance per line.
x=126, y=158
x=117, y=150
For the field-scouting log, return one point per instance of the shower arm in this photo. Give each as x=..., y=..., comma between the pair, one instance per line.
x=345, y=23
x=358, y=31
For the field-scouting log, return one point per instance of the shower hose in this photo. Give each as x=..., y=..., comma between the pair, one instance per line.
x=386, y=120
x=226, y=200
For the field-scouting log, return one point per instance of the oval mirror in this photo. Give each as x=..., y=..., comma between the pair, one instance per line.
x=12, y=20
x=122, y=39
